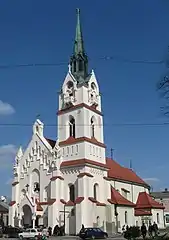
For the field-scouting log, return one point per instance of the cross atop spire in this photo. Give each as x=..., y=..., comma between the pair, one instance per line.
x=79, y=60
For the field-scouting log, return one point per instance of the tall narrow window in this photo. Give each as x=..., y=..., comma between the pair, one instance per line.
x=92, y=127
x=72, y=193
x=80, y=65
x=95, y=191
x=125, y=217
x=72, y=127
x=74, y=66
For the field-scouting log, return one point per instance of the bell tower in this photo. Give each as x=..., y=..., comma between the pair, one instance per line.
x=80, y=120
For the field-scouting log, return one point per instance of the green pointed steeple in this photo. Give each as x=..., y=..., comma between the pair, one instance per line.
x=79, y=60
x=78, y=45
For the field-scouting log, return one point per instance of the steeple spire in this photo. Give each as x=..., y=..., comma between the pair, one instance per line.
x=78, y=44
x=79, y=60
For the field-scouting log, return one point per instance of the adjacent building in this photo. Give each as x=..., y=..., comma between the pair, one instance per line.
x=163, y=198
x=70, y=181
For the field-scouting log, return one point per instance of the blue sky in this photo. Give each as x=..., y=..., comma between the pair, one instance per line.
x=43, y=32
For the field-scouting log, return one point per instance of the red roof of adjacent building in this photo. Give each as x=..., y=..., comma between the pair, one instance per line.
x=145, y=201
x=141, y=212
x=117, y=198
x=116, y=171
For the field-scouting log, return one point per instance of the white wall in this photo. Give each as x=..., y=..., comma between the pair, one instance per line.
x=83, y=150
x=121, y=217
x=82, y=118
x=160, y=219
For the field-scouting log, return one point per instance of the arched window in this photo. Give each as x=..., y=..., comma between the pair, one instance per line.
x=92, y=124
x=93, y=86
x=158, y=218
x=71, y=127
x=72, y=192
x=125, y=217
x=96, y=191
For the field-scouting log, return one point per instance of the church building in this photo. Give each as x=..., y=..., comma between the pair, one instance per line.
x=70, y=181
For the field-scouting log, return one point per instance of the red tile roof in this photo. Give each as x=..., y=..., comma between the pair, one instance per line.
x=12, y=203
x=118, y=172
x=79, y=200
x=70, y=203
x=117, y=198
x=80, y=175
x=39, y=207
x=56, y=177
x=145, y=201
x=141, y=212
x=72, y=140
x=80, y=162
x=93, y=200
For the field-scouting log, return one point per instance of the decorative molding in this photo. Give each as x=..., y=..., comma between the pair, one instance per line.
x=81, y=105
x=72, y=140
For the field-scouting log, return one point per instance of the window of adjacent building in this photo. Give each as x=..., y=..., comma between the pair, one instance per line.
x=125, y=217
x=167, y=218
x=158, y=218
x=124, y=193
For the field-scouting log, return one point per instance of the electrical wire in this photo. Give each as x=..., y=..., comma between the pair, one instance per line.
x=82, y=125
x=105, y=58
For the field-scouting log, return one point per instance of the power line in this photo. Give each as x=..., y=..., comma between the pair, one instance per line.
x=82, y=125
x=105, y=58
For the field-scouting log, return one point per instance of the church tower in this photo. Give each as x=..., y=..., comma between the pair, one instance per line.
x=80, y=120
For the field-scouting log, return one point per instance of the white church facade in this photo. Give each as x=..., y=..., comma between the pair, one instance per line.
x=70, y=181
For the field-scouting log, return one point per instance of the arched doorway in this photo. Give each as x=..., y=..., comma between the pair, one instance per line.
x=27, y=217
